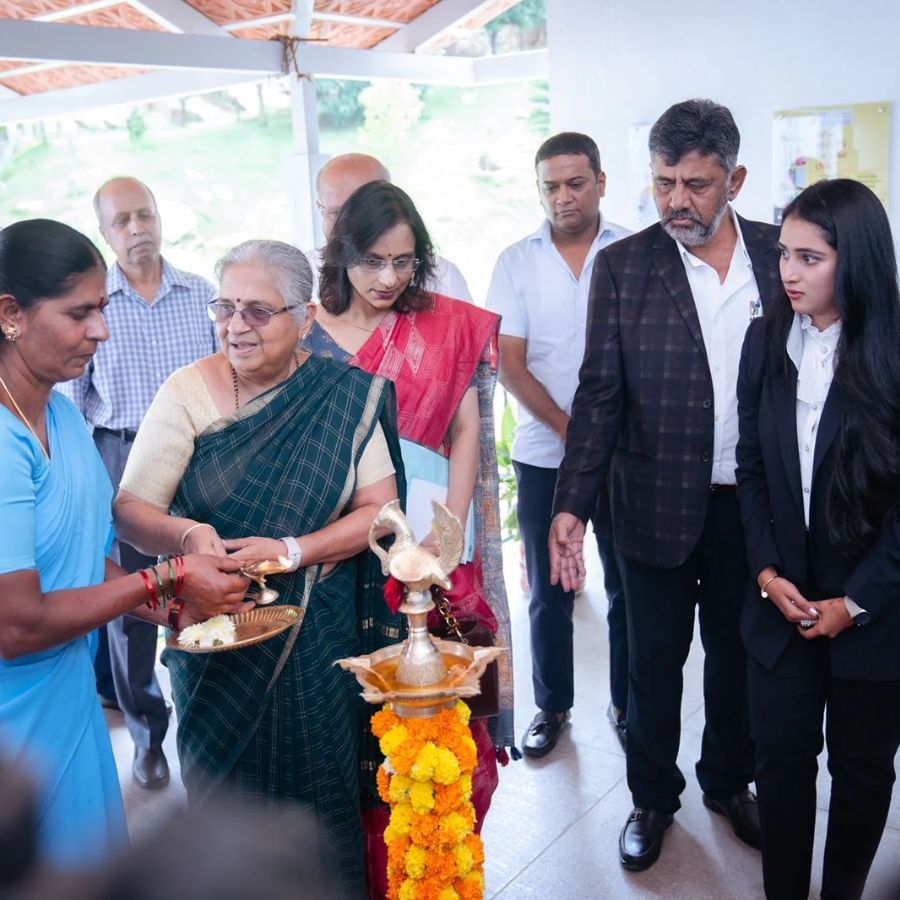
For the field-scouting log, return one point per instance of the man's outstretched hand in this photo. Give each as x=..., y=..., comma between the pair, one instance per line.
x=566, y=551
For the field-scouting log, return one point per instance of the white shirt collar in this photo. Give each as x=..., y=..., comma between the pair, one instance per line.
x=802, y=329
x=545, y=235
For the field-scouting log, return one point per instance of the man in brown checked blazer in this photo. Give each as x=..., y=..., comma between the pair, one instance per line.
x=656, y=411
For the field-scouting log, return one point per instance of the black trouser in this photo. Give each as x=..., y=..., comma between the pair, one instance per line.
x=550, y=607
x=660, y=610
x=862, y=733
x=132, y=642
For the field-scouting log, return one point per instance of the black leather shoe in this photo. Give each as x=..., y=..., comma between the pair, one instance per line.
x=543, y=732
x=617, y=720
x=642, y=837
x=150, y=769
x=741, y=810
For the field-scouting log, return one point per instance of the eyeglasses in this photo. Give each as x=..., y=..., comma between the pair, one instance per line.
x=328, y=212
x=402, y=264
x=258, y=316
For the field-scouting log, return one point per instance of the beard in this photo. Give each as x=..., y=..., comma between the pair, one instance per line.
x=698, y=233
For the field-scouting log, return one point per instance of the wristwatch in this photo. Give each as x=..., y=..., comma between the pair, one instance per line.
x=295, y=554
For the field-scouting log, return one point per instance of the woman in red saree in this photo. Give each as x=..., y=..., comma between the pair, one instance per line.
x=442, y=356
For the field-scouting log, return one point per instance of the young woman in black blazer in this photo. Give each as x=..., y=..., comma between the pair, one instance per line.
x=818, y=483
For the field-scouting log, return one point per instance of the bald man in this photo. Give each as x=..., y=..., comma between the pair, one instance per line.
x=157, y=323
x=336, y=181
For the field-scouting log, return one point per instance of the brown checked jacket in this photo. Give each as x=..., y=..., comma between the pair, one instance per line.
x=643, y=413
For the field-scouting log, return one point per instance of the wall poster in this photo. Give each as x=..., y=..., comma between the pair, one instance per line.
x=851, y=141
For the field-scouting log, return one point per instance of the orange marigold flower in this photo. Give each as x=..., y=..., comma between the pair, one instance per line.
x=476, y=848
x=384, y=720
x=441, y=866
x=423, y=830
x=471, y=887
x=383, y=781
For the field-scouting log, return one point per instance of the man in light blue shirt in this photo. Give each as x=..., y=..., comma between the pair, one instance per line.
x=157, y=322
x=540, y=287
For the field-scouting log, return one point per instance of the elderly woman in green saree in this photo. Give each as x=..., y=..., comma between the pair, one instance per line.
x=263, y=451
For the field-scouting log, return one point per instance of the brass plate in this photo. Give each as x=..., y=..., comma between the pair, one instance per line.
x=251, y=627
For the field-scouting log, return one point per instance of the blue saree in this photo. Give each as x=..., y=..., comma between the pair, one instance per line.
x=55, y=517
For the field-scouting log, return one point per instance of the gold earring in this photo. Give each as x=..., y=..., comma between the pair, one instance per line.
x=10, y=332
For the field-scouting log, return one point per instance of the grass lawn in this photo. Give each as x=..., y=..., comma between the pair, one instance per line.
x=467, y=163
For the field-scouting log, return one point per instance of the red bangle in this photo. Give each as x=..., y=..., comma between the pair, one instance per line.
x=174, y=611
x=152, y=603
x=179, y=575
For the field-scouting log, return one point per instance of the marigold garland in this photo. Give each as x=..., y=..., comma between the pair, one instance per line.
x=433, y=852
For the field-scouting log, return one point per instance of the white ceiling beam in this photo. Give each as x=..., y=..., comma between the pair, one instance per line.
x=88, y=45
x=444, y=16
x=130, y=47
x=80, y=9
x=342, y=62
x=364, y=21
x=137, y=89
x=178, y=16
x=275, y=19
x=302, y=12
x=529, y=65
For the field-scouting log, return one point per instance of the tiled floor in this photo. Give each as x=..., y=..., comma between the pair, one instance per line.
x=553, y=828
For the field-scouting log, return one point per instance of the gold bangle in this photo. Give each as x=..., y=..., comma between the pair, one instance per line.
x=762, y=590
x=189, y=530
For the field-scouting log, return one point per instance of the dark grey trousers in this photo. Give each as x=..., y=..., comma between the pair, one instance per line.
x=132, y=642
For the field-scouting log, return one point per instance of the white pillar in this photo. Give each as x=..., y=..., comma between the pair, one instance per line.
x=305, y=160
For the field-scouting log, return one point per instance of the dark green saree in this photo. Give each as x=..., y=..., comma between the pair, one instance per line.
x=285, y=464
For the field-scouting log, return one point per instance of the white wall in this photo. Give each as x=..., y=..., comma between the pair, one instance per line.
x=619, y=63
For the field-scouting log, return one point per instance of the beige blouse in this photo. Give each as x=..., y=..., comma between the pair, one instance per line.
x=181, y=411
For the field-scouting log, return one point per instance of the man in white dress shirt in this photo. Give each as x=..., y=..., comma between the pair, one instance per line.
x=540, y=287
x=336, y=181
x=655, y=416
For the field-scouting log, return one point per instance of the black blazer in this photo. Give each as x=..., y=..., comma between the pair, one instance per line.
x=643, y=411
x=771, y=503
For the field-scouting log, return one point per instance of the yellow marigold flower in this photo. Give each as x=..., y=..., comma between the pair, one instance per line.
x=465, y=783
x=400, y=785
x=408, y=890
x=463, y=711
x=448, y=894
x=400, y=822
x=446, y=769
x=393, y=740
x=464, y=859
x=453, y=828
x=415, y=861
x=421, y=796
x=423, y=767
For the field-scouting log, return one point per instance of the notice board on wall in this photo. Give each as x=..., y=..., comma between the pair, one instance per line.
x=850, y=141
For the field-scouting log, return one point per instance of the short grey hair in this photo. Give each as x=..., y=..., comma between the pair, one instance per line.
x=696, y=125
x=285, y=264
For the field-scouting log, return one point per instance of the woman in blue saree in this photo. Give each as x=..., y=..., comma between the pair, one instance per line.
x=300, y=452
x=55, y=505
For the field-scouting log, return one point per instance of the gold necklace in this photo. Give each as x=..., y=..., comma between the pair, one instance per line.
x=234, y=381
x=23, y=417
x=366, y=330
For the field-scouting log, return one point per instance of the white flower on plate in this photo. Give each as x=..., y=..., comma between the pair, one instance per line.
x=218, y=631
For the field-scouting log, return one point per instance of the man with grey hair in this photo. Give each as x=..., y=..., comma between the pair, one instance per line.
x=656, y=412
x=158, y=322
x=336, y=181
